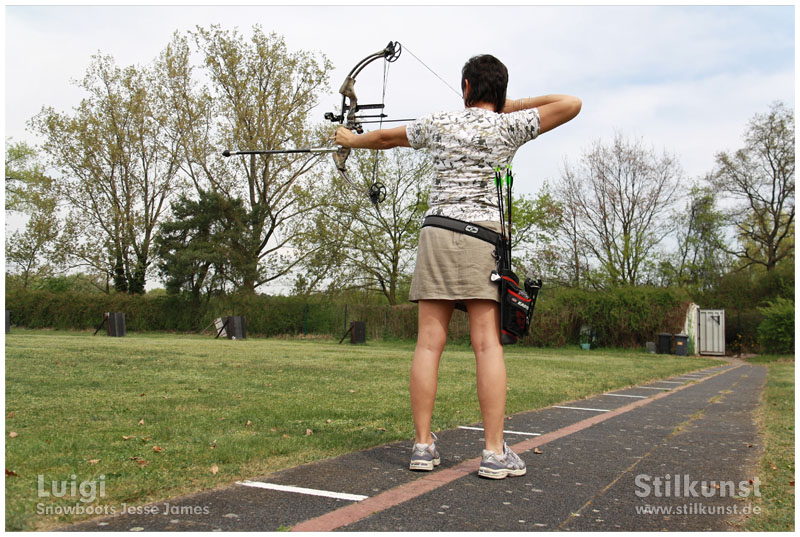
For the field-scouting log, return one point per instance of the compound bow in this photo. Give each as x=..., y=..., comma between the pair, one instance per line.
x=348, y=118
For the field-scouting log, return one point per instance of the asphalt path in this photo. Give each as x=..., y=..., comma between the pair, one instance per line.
x=675, y=454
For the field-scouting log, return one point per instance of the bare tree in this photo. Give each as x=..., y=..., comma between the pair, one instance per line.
x=760, y=177
x=620, y=194
x=572, y=254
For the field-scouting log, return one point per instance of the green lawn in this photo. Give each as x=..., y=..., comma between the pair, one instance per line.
x=161, y=415
x=776, y=416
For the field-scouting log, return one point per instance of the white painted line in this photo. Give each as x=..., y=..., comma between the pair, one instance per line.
x=649, y=388
x=581, y=408
x=300, y=490
x=625, y=395
x=507, y=432
x=671, y=381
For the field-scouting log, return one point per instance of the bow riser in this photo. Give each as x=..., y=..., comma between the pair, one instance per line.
x=348, y=118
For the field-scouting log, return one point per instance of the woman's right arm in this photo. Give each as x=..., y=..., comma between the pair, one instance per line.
x=554, y=110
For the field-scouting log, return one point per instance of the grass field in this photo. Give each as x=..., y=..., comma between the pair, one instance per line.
x=161, y=415
x=776, y=416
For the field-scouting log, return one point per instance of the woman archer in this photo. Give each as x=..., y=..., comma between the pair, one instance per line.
x=452, y=268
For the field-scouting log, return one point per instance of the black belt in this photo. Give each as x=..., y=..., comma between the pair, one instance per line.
x=459, y=226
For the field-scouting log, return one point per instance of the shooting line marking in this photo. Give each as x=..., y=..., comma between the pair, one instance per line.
x=300, y=490
x=671, y=381
x=582, y=408
x=507, y=432
x=650, y=388
x=403, y=493
x=625, y=395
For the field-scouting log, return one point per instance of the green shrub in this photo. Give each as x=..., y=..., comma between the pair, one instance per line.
x=623, y=317
x=776, y=331
x=741, y=331
x=619, y=317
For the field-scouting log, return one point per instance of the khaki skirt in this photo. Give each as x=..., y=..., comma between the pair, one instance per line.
x=454, y=266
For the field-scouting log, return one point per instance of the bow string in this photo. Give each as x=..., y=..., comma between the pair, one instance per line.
x=350, y=118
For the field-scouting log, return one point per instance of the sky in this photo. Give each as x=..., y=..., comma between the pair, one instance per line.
x=685, y=80
x=682, y=79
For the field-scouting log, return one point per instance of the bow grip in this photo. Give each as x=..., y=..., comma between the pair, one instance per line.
x=340, y=157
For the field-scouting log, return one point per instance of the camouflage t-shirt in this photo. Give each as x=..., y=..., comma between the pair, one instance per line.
x=466, y=146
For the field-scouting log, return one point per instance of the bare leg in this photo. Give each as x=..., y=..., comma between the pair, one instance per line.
x=484, y=329
x=434, y=319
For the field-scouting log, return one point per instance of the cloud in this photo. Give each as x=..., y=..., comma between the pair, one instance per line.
x=685, y=78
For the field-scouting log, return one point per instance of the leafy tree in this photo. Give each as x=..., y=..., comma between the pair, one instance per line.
x=258, y=96
x=536, y=223
x=321, y=270
x=116, y=173
x=197, y=246
x=760, y=177
x=620, y=195
x=776, y=331
x=28, y=250
x=27, y=186
x=74, y=283
x=700, y=260
x=30, y=193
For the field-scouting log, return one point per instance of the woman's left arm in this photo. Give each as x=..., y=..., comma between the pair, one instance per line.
x=379, y=139
x=554, y=110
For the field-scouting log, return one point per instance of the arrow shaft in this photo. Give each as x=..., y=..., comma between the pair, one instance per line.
x=284, y=151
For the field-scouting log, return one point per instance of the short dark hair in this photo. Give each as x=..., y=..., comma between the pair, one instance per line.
x=488, y=81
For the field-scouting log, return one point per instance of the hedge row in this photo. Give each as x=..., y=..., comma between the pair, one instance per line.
x=625, y=317
x=622, y=317
x=776, y=331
